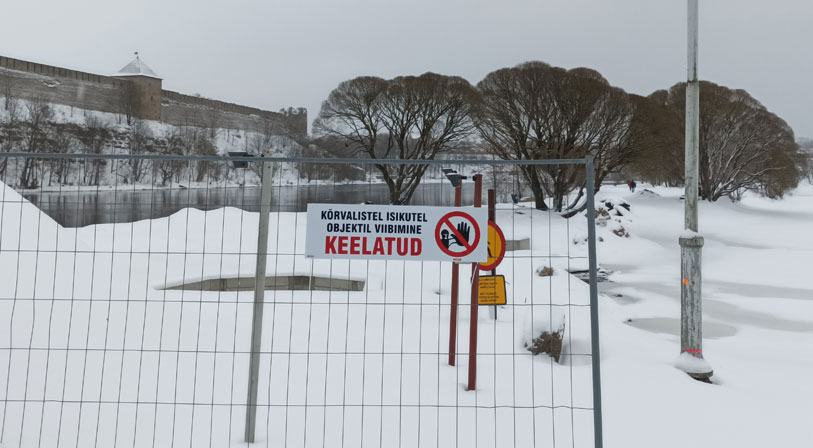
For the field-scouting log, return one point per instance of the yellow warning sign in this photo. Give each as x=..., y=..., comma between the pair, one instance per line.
x=492, y=290
x=496, y=247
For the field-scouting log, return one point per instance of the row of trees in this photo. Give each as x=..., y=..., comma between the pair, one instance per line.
x=30, y=126
x=535, y=111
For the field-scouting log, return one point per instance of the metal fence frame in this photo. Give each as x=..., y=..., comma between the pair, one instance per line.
x=268, y=161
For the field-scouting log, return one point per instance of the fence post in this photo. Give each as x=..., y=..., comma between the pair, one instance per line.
x=458, y=201
x=492, y=216
x=475, y=286
x=593, y=266
x=259, y=298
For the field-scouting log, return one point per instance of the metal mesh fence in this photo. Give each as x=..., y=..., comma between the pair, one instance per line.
x=126, y=312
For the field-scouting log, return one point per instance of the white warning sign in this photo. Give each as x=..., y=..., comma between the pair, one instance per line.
x=387, y=232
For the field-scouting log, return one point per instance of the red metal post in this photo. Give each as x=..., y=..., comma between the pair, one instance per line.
x=492, y=216
x=492, y=213
x=458, y=201
x=475, y=287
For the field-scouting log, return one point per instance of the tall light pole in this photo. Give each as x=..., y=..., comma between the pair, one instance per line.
x=691, y=242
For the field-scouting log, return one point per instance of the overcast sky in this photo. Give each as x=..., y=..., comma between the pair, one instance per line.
x=274, y=54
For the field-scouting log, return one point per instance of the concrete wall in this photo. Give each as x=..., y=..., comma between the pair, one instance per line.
x=111, y=94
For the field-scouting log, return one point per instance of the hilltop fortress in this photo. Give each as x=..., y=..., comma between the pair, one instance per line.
x=136, y=91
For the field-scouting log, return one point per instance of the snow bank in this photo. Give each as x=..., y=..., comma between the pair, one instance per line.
x=692, y=364
x=23, y=226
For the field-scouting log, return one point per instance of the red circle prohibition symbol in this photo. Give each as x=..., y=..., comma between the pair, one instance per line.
x=467, y=247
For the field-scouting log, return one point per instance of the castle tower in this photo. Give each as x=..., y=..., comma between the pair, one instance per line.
x=143, y=94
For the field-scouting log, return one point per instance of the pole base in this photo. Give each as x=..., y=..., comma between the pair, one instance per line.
x=694, y=366
x=702, y=377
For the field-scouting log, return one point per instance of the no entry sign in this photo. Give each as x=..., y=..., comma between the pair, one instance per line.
x=453, y=234
x=386, y=232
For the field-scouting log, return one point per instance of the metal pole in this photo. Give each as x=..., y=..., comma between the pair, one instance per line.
x=259, y=298
x=691, y=243
x=594, y=330
x=475, y=287
x=458, y=201
x=692, y=122
x=492, y=216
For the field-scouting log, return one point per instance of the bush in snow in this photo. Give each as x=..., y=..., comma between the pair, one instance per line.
x=545, y=271
x=547, y=342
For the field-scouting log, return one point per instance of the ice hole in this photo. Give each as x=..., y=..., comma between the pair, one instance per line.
x=273, y=283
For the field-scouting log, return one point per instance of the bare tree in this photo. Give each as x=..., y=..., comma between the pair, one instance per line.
x=659, y=134
x=64, y=143
x=534, y=111
x=7, y=88
x=257, y=145
x=94, y=140
x=409, y=118
x=743, y=146
x=202, y=146
x=140, y=136
x=9, y=130
x=35, y=138
x=176, y=145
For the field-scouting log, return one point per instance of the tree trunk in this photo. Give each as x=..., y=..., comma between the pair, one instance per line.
x=24, y=173
x=536, y=187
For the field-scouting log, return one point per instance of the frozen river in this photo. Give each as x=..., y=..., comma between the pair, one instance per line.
x=83, y=208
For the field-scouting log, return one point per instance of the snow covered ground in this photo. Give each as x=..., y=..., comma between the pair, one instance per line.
x=105, y=356
x=156, y=367
x=758, y=324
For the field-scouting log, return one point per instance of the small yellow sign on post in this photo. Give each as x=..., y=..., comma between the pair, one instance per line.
x=492, y=290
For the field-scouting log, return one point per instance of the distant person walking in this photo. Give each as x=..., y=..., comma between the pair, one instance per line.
x=629, y=184
x=632, y=186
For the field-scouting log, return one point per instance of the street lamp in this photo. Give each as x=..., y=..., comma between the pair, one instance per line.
x=454, y=177
x=691, y=242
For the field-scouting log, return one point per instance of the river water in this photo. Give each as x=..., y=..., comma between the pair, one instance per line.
x=83, y=208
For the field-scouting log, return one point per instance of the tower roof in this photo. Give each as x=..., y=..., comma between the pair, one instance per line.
x=137, y=68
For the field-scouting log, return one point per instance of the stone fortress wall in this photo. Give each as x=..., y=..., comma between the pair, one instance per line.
x=141, y=96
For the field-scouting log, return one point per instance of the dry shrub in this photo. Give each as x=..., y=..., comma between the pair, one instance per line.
x=550, y=343
x=545, y=271
x=621, y=232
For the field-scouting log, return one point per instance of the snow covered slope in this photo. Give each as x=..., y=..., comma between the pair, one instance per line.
x=758, y=324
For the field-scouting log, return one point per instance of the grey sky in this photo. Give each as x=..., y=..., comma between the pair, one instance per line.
x=273, y=54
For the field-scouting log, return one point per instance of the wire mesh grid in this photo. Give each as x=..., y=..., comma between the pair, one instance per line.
x=126, y=309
